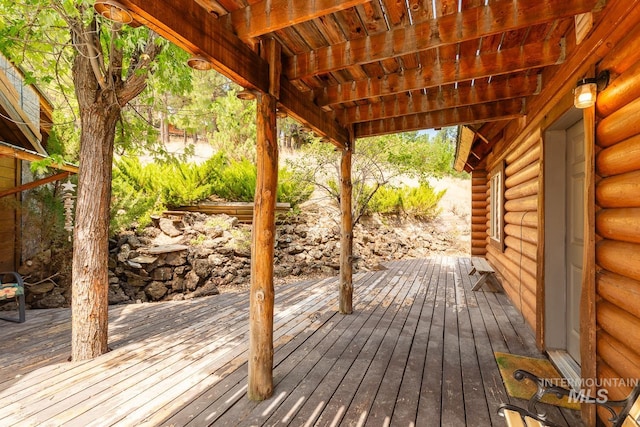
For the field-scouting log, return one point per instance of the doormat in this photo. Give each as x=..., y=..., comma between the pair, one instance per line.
x=508, y=363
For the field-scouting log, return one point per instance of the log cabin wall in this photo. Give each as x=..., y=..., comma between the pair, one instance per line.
x=9, y=171
x=517, y=264
x=479, y=210
x=618, y=220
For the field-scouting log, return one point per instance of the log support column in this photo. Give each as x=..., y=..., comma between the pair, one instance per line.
x=346, y=238
x=261, y=297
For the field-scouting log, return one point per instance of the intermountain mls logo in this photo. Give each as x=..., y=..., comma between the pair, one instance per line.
x=582, y=390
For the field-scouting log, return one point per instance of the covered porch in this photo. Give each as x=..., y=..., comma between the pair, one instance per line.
x=417, y=350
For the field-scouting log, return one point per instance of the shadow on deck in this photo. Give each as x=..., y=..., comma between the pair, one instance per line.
x=418, y=350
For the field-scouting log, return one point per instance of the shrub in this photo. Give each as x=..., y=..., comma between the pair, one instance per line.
x=237, y=181
x=420, y=202
x=140, y=191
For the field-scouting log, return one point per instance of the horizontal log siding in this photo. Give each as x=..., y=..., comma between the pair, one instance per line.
x=479, y=213
x=618, y=230
x=518, y=263
x=8, y=219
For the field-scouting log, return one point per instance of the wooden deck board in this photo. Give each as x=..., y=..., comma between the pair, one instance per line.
x=418, y=350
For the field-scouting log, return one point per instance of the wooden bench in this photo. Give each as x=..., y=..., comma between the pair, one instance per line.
x=626, y=415
x=487, y=275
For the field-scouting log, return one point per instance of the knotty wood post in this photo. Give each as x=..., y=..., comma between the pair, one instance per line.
x=260, y=385
x=588, y=341
x=346, y=236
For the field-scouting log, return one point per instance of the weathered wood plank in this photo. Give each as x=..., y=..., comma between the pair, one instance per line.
x=419, y=346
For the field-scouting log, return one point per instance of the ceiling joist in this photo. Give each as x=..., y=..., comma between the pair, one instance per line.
x=267, y=16
x=469, y=24
x=442, y=118
x=185, y=24
x=533, y=55
x=442, y=98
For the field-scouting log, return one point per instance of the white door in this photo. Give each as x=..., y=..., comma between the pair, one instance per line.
x=574, y=235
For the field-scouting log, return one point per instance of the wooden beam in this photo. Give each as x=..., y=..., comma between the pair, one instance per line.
x=261, y=297
x=346, y=232
x=470, y=24
x=300, y=107
x=441, y=98
x=22, y=154
x=507, y=61
x=454, y=116
x=190, y=26
x=465, y=140
x=34, y=184
x=588, y=298
x=267, y=16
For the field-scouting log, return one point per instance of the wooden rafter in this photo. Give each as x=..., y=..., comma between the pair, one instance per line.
x=507, y=61
x=34, y=184
x=462, y=115
x=267, y=16
x=442, y=98
x=185, y=24
x=7, y=150
x=469, y=24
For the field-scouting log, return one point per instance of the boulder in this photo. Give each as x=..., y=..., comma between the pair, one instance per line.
x=168, y=227
x=156, y=290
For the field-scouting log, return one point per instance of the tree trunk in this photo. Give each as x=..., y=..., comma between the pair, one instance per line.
x=90, y=286
x=346, y=236
x=263, y=237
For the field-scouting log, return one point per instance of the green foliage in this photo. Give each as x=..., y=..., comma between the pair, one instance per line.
x=376, y=163
x=237, y=181
x=140, y=191
x=419, y=202
x=135, y=195
x=291, y=188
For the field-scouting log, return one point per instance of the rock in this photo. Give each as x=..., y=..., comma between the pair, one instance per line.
x=208, y=289
x=156, y=290
x=41, y=288
x=164, y=249
x=178, y=284
x=162, y=273
x=168, y=227
x=133, y=264
x=52, y=300
x=136, y=280
x=201, y=267
x=192, y=280
x=123, y=253
x=176, y=258
x=144, y=259
x=117, y=295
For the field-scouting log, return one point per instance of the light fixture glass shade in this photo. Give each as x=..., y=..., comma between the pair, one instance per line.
x=113, y=11
x=584, y=95
x=199, y=63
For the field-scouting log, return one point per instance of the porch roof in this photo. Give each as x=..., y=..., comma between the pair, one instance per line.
x=382, y=66
x=419, y=346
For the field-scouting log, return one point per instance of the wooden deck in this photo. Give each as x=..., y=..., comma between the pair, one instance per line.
x=418, y=350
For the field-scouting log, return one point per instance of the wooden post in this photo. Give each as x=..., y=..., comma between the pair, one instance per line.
x=588, y=294
x=263, y=234
x=346, y=237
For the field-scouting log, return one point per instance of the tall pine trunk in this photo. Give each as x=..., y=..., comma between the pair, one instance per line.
x=91, y=252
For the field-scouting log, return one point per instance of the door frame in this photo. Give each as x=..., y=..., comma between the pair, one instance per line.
x=555, y=262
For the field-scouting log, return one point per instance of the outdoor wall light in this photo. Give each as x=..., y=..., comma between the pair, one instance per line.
x=584, y=95
x=198, y=62
x=113, y=11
